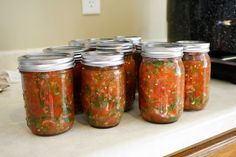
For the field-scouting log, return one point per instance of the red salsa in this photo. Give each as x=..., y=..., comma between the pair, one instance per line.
x=197, y=79
x=161, y=83
x=197, y=65
x=103, y=88
x=47, y=83
x=161, y=90
x=49, y=101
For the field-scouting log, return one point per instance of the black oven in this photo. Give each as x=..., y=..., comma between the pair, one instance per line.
x=208, y=20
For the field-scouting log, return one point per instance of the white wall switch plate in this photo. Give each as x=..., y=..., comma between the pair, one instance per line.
x=91, y=7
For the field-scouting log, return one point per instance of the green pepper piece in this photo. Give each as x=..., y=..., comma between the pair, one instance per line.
x=196, y=101
x=157, y=64
x=171, y=107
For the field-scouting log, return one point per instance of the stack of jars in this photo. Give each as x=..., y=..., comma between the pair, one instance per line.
x=99, y=76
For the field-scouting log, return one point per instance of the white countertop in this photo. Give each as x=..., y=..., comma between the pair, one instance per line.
x=132, y=137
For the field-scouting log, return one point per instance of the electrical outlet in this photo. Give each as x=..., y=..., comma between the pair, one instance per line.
x=91, y=7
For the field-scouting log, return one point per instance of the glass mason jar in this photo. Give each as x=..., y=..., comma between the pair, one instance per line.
x=76, y=52
x=47, y=82
x=137, y=43
x=161, y=83
x=103, y=88
x=125, y=48
x=197, y=65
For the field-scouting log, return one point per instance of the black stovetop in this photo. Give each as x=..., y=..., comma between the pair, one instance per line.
x=223, y=65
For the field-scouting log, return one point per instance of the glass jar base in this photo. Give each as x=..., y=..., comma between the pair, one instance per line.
x=58, y=133
x=193, y=109
x=161, y=122
x=104, y=127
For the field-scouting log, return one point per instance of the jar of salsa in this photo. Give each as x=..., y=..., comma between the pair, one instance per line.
x=137, y=43
x=125, y=48
x=197, y=65
x=76, y=52
x=103, y=88
x=47, y=82
x=161, y=83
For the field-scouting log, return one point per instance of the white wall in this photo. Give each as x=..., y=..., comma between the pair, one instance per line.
x=39, y=23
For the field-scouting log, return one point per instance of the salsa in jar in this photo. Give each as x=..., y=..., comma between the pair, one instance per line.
x=103, y=88
x=137, y=44
x=197, y=65
x=47, y=83
x=161, y=83
x=76, y=51
x=125, y=48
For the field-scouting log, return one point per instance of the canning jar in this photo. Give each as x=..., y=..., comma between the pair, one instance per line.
x=197, y=74
x=161, y=83
x=125, y=48
x=137, y=43
x=47, y=83
x=63, y=49
x=76, y=52
x=103, y=88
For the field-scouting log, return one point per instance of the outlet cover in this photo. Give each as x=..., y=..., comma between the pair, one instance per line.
x=91, y=7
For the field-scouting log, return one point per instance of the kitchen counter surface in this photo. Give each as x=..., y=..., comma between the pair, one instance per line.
x=132, y=137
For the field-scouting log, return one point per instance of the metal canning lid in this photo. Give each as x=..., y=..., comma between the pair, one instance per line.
x=134, y=39
x=140, y=46
x=117, y=46
x=75, y=50
x=92, y=42
x=64, y=49
x=77, y=42
x=102, y=59
x=105, y=39
x=45, y=62
x=194, y=46
x=161, y=50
